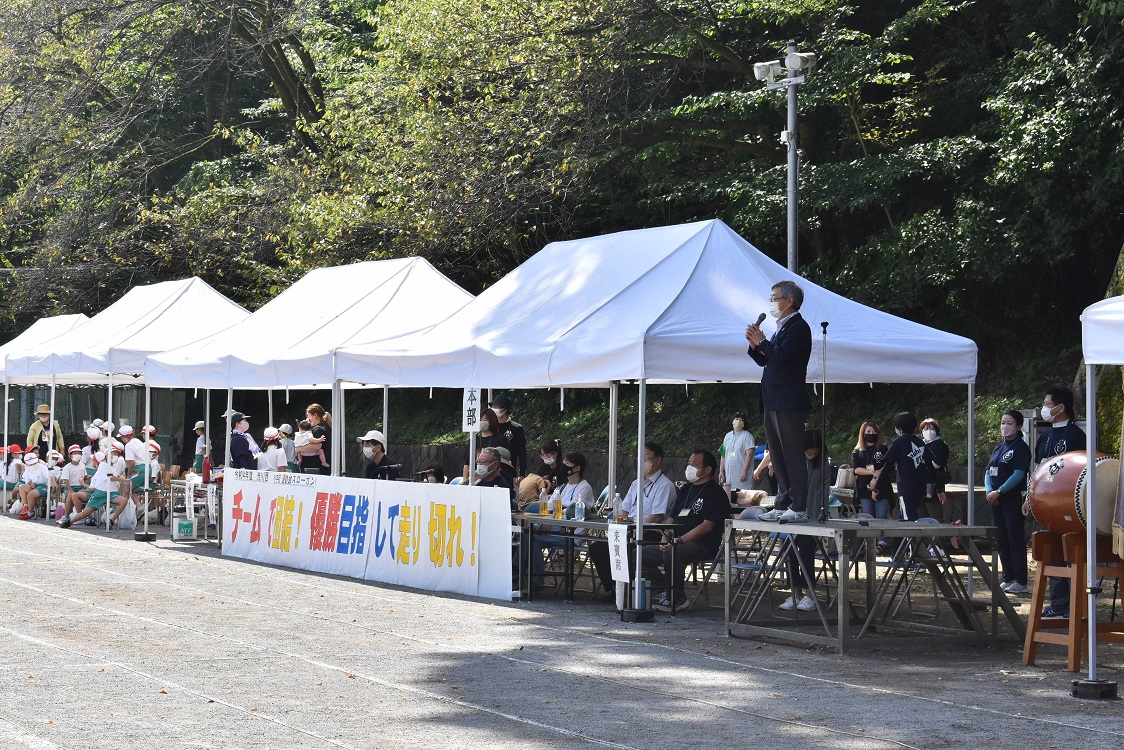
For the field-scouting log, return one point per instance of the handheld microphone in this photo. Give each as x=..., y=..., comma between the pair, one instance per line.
x=760, y=320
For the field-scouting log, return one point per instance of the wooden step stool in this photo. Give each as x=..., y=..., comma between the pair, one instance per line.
x=1047, y=547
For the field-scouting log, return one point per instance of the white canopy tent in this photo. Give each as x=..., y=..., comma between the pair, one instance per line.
x=668, y=304
x=665, y=304
x=43, y=329
x=118, y=340
x=1102, y=343
x=288, y=342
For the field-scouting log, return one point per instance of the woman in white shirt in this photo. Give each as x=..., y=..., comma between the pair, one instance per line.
x=576, y=488
x=736, y=465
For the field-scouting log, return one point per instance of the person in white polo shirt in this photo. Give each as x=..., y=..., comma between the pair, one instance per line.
x=272, y=456
x=136, y=456
x=110, y=478
x=93, y=445
x=36, y=477
x=74, y=481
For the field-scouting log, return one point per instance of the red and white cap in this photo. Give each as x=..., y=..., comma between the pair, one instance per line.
x=270, y=433
x=148, y=430
x=93, y=434
x=31, y=460
x=125, y=431
x=74, y=449
x=118, y=446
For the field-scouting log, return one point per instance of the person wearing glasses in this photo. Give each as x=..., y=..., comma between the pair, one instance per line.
x=659, y=496
x=784, y=397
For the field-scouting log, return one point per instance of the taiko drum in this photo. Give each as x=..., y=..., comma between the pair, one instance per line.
x=1059, y=492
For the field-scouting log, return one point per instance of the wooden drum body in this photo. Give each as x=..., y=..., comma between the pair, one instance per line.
x=1059, y=493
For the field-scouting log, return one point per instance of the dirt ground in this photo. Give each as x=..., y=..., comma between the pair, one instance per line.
x=112, y=643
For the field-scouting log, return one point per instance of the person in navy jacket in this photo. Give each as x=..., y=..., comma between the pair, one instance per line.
x=784, y=396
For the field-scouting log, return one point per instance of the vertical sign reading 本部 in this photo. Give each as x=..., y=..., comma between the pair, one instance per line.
x=423, y=535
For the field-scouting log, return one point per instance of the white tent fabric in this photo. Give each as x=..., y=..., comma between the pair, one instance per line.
x=116, y=341
x=43, y=329
x=1102, y=332
x=289, y=341
x=665, y=304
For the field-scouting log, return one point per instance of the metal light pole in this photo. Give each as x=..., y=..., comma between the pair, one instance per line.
x=794, y=62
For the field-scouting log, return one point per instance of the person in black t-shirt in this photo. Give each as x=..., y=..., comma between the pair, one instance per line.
x=1062, y=436
x=511, y=434
x=700, y=513
x=907, y=454
x=380, y=465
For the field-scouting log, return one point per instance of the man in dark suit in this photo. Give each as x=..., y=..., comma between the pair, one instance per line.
x=784, y=397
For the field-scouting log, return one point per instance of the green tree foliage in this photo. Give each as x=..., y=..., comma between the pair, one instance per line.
x=961, y=161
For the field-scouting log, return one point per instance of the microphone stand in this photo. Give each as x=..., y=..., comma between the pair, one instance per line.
x=824, y=498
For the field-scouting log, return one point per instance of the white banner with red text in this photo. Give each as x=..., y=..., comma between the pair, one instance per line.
x=437, y=537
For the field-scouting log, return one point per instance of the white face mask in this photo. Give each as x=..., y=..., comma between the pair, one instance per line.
x=738, y=425
x=774, y=308
x=368, y=452
x=1048, y=412
x=1007, y=430
x=75, y=458
x=549, y=460
x=692, y=474
x=929, y=435
x=482, y=470
x=485, y=426
x=501, y=413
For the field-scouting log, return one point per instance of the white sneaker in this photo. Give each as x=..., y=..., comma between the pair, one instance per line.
x=1014, y=587
x=1005, y=584
x=770, y=515
x=792, y=515
x=789, y=603
x=807, y=604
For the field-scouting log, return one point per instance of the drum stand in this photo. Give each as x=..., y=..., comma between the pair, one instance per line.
x=1047, y=547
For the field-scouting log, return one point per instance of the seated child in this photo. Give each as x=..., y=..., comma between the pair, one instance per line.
x=75, y=479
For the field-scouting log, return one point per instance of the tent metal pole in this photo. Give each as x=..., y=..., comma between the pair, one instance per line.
x=971, y=462
x=269, y=400
x=146, y=535
x=109, y=451
x=641, y=426
x=229, y=409
x=206, y=422
x=50, y=447
x=343, y=430
x=334, y=458
x=971, y=454
x=7, y=458
x=614, y=408
x=1091, y=514
x=386, y=415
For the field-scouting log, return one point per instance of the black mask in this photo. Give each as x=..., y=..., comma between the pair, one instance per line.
x=571, y=470
x=870, y=439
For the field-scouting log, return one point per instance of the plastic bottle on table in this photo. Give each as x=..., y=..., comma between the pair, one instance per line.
x=544, y=499
x=579, y=510
x=617, y=506
x=206, y=469
x=558, y=504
